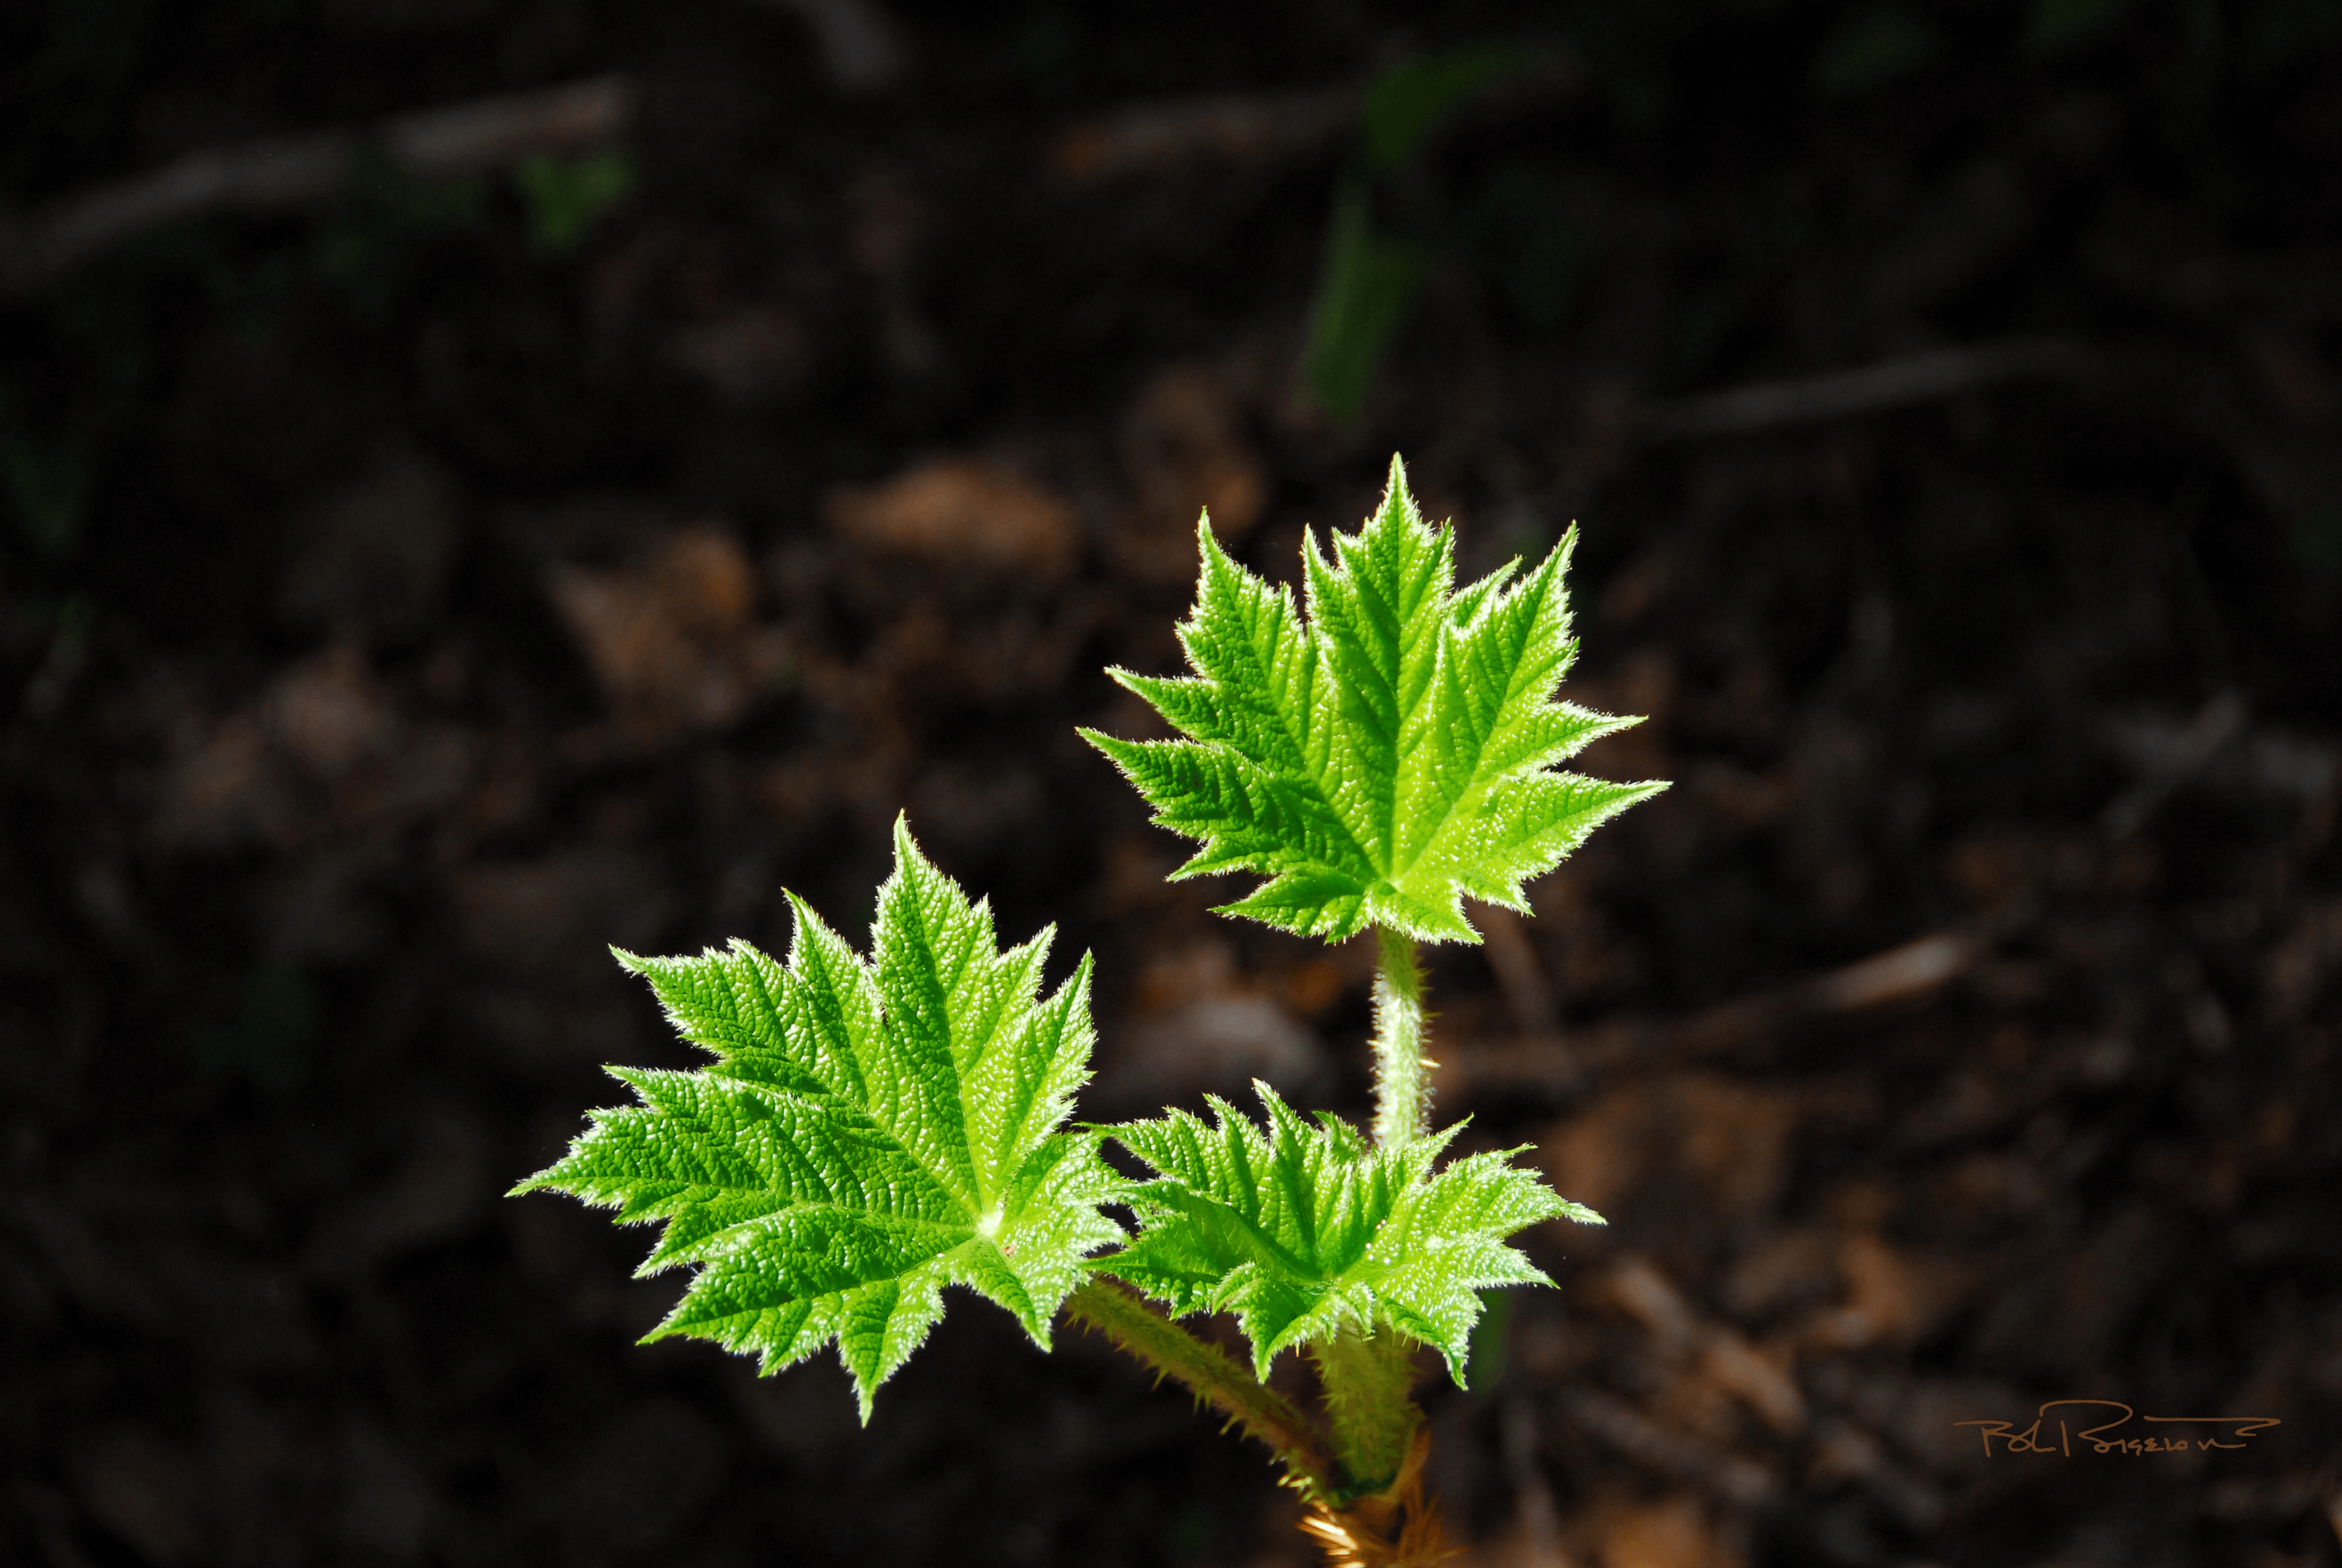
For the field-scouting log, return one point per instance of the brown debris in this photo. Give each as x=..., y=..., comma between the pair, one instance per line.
x=861, y=46
x=960, y=513
x=326, y=747
x=1673, y=1532
x=1653, y=1143
x=1730, y=1478
x=1537, y=1542
x=553, y=912
x=2305, y=960
x=673, y=637
x=1201, y=1028
x=145, y=1489
x=1892, y=1297
x=1710, y=1352
x=222, y=788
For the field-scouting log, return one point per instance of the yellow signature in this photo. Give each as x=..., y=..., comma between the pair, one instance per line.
x=2033, y=1440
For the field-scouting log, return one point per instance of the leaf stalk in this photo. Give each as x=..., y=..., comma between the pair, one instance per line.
x=1368, y=1378
x=1402, y=1075
x=1216, y=1378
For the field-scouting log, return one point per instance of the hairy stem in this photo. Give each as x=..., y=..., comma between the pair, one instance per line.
x=1214, y=1377
x=1385, y=1520
x=1402, y=1076
x=1367, y=1379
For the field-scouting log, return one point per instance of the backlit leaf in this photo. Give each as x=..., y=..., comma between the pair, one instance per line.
x=1389, y=756
x=869, y=1133
x=1304, y=1231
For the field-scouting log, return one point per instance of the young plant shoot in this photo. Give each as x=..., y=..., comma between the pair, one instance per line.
x=873, y=1129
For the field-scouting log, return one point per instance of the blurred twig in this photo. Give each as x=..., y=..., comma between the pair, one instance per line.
x=1257, y=127
x=1558, y=1063
x=1540, y=1520
x=1928, y=377
x=862, y=46
x=1266, y=130
x=2220, y=721
x=295, y=172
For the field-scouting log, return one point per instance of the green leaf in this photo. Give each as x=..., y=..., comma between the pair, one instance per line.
x=1307, y=1233
x=1390, y=756
x=869, y=1133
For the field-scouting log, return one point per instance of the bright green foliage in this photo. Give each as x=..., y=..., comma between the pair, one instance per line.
x=1389, y=757
x=869, y=1133
x=871, y=1130
x=1307, y=1233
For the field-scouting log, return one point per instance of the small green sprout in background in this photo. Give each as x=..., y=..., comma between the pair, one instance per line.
x=563, y=197
x=1369, y=280
x=1406, y=104
x=873, y=1128
x=1364, y=296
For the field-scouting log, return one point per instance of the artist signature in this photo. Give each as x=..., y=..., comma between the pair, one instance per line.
x=2106, y=1437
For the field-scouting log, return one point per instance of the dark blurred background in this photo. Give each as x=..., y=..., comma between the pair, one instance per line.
x=485, y=480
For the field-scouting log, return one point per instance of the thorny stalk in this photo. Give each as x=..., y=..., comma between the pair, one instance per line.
x=1214, y=1377
x=1393, y=1526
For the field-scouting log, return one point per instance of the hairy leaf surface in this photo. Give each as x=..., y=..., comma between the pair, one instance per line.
x=1304, y=1231
x=1393, y=754
x=870, y=1131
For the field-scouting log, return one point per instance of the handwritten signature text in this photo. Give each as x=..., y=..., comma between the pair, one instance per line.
x=2061, y=1432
